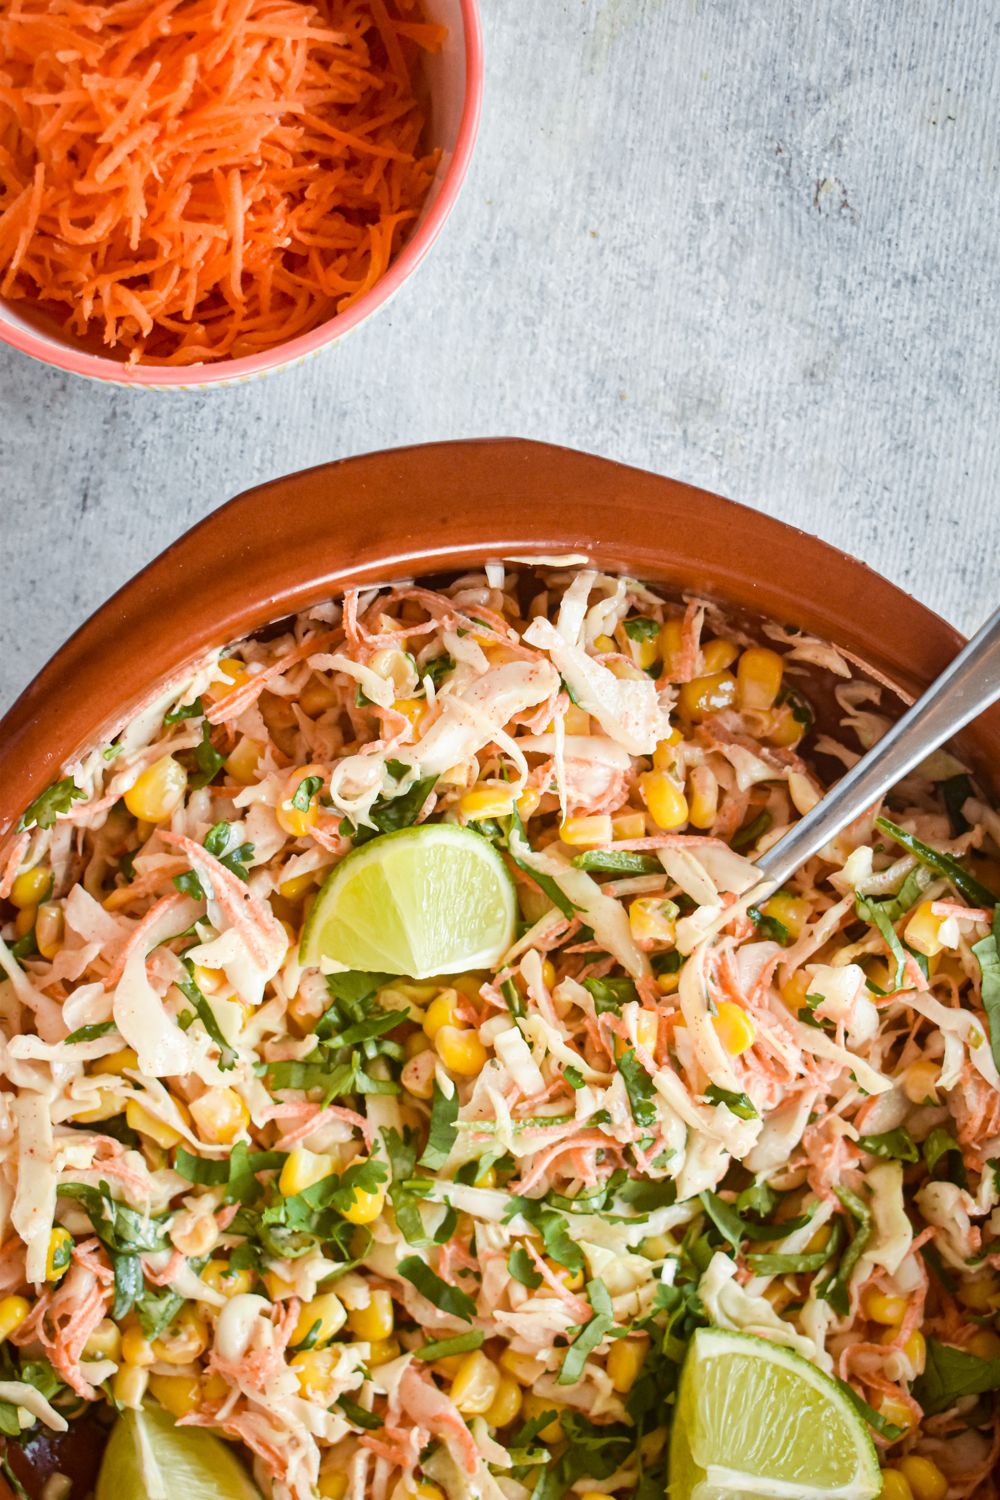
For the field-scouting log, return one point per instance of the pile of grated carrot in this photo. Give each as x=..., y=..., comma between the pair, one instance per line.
x=195, y=180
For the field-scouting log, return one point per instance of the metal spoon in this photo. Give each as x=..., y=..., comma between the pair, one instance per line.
x=964, y=689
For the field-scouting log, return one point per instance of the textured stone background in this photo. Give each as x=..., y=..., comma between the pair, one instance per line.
x=752, y=244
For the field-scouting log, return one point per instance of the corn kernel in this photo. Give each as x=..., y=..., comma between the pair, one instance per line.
x=234, y=674
x=981, y=1295
x=461, y=1051
x=486, y=1178
x=791, y=911
x=625, y=1360
x=25, y=920
x=301, y=1169
x=394, y=667
x=920, y=1082
x=13, y=1311
x=587, y=833
x=314, y=1372
x=703, y=797
x=377, y=1320
x=647, y=1026
x=604, y=644
x=671, y=641
x=924, y=1477
x=758, y=677
x=664, y=754
x=244, y=760
x=332, y=1485
x=49, y=929
x=442, y=1011
x=534, y=1405
x=666, y=802
x=322, y=1318
x=506, y=1403
x=475, y=1386
x=631, y=825
x=882, y=1307
x=59, y=1254
x=105, y=1342
x=184, y=1340
x=128, y=1386
x=381, y=1351
x=717, y=655
x=140, y=1119
x=734, y=1028
x=227, y=1282
x=548, y=973
x=298, y=887
x=985, y=1344
x=277, y=1287
x=896, y=1412
x=296, y=820
x=317, y=696
x=707, y=695
x=596, y=1495
x=116, y=1063
x=794, y=990
x=915, y=1349
x=136, y=1348
x=894, y=1486
x=366, y=1205
x=31, y=886
x=220, y=1115
x=159, y=789
x=488, y=799
x=783, y=728
x=571, y=1280
x=413, y=709
x=527, y=803
x=426, y=1490
x=651, y=919
x=177, y=1394
x=923, y=930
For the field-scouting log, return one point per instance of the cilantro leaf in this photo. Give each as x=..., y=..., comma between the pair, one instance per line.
x=894, y=1145
x=987, y=952
x=591, y=1334
x=522, y=1268
x=875, y=914
x=950, y=1373
x=441, y=1135
x=611, y=994
x=639, y=1087
x=941, y=864
x=89, y=1033
x=450, y=1299
x=391, y=813
x=306, y=791
x=57, y=798
x=189, y=989
x=193, y=710
x=738, y=1104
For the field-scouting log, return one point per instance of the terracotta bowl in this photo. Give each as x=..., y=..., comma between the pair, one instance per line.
x=430, y=509
x=454, y=83
x=445, y=506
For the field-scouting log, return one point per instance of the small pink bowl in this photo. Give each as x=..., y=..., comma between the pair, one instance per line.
x=454, y=79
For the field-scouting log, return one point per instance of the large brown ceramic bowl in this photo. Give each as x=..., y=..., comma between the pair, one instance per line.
x=293, y=541
x=443, y=506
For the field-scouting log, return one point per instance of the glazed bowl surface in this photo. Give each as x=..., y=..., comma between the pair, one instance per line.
x=434, y=509
x=454, y=82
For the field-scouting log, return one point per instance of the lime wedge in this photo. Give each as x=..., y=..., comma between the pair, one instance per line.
x=754, y=1419
x=436, y=899
x=149, y=1457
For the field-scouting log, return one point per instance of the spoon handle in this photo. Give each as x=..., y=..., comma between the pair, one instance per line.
x=964, y=689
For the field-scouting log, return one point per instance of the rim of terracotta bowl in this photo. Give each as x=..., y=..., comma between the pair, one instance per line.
x=444, y=506
x=232, y=372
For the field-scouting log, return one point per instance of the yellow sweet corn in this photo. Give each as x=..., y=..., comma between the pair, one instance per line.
x=666, y=802
x=314, y=1372
x=381, y=1351
x=548, y=973
x=298, y=887
x=628, y=825
x=923, y=930
x=366, y=1205
x=377, y=1320
x=31, y=886
x=664, y=754
x=147, y=1124
x=981, y=1295
x=734, y=1028
x=527, y=803
x=332, y=1485
x=59, y=1254
x=487, y=799
x=534, y=1405
x=896, y=1412
x=794, y=990
x=476, y=1384
x=242, y=763
x=322, y=1318
x=105, y=1342
x=717, y=655
x=587, y=833
x=894, y=1486
x=13, y=1311
x=506, y=1403
x=707, y=695
x=920, y=1082
x=413, y=709
x=294, y=819
x=524, y=1367
x=317, y=696
x=302, y=1168
x=486, y=1178
x=915, y=1349
x=652, y=919
x=791, y=911
x=177, y=1394
x=220, y=1276
x=25, y=920
x=157, y=791
x=136, y=1347
x=427, y=1490
x=883, y=1307
x=184, y=1340
x=703, y=797
x=233, y=673
x=220, y=1115
x=984, y=1344
x=925, y=1479
x=461, y=1051
x=671, y=640
x=625, y=1360
x=758, y=677
x=604, y=643
x=442, y=1011
x=116, y=1063
x=129, y=1384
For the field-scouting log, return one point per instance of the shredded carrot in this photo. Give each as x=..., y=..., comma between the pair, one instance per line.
x=194, y=180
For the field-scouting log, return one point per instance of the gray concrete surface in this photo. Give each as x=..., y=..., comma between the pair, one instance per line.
x=752, y=244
